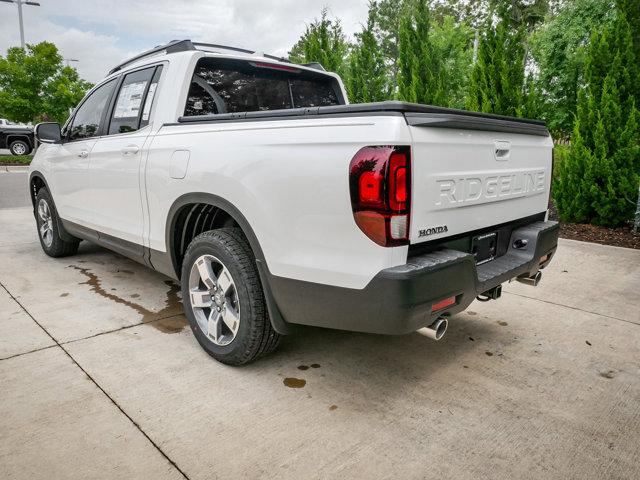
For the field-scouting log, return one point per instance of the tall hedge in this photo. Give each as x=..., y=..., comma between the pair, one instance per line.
x=367, y=80
x=420, y=76
x=598, y=181
x=496, y=84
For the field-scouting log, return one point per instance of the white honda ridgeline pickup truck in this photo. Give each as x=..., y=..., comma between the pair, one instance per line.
x=252, y=181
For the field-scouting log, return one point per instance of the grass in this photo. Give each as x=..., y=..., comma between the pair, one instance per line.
x=15, y=159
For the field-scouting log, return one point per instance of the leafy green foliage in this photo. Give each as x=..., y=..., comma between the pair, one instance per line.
x=452, y=42
x=598, y=181
x=420, y=76
x=497, y=79
x=558, y=49
x=367, y=80
x=34, y=85
x=324, y=42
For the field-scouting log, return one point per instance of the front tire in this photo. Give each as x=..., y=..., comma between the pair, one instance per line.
x=47, y=221
x=223, y=298
x=19, y=147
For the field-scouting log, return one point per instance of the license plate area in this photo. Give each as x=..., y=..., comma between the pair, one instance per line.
x=484, y=247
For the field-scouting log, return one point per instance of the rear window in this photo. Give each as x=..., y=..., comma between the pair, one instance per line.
x=229, y=86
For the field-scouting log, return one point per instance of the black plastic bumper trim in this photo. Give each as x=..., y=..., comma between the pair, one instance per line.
x=398, y=300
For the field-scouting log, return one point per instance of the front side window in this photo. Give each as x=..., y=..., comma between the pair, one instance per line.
x=86, y=121
x=129, y=110
x=228, y=86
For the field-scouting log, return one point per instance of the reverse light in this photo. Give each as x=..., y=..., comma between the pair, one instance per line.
x=379, y=180
x=442, y=304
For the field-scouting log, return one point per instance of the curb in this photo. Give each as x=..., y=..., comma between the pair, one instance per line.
x=14, y=169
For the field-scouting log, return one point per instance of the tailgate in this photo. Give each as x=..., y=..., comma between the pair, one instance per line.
x=467, y=179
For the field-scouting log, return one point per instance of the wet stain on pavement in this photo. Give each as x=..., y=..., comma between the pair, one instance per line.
x=315, y=365
x=303, y=367
x=294, y=382
x=65, y=294
x=333, y=407
x=171, y=324
x=488, y=354
x=608, y=374
x=470, y=312
x=171, y=309
x=135, y=295
x=503, y=324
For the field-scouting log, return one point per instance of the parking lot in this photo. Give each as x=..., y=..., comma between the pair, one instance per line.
x=100, y=377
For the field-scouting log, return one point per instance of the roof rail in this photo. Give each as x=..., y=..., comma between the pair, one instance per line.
x=171, y=47
x=186, y=45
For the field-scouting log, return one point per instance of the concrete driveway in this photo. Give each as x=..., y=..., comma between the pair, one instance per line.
x=101, y=378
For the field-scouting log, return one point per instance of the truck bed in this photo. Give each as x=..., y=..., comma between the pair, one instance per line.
x=415, y=114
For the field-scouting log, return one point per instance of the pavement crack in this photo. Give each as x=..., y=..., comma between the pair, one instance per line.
x=572, y=308
x=148, y=322
x=27, y=353
x=93, y=380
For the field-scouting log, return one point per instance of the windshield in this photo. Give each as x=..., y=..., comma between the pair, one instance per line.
x=228, y=86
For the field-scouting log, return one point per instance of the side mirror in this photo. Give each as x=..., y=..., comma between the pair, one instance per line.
x=48, y=132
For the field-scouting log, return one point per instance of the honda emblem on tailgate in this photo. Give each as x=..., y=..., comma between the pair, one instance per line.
x=425, y=232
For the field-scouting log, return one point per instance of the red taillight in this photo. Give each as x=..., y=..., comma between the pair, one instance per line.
x=379, y=179
x=442, y=304
x=371, y=188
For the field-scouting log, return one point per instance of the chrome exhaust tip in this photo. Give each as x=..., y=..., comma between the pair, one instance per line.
x=437, y=329
x=533, y=281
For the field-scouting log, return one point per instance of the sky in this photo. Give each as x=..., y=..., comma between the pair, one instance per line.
x=101, y=34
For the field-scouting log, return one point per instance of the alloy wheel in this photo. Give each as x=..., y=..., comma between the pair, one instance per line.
x=214, y=300
x=46, y=223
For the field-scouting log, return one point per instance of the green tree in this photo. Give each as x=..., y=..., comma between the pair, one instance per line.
x=367, y=80
x=324, y=42
x=598, y=182
x=557, y=47
x=35, y=86
x=420, y=77
x=451, y=42
x=496, y=84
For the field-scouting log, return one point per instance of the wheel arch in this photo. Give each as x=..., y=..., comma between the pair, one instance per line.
x=37, y=182
x=19, y=136
x=185, y=205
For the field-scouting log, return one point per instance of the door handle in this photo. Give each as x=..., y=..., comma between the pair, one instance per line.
x=83, y=154
x=130, y=150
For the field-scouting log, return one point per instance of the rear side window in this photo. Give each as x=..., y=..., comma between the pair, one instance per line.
x=229, y=86
x=133, y=103
x=87, y=119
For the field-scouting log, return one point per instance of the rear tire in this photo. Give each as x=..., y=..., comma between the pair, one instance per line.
x=47, y=221
x=19, y=147
x=223, y=298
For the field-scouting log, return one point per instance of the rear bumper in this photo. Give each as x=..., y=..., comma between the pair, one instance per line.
x=398, y=300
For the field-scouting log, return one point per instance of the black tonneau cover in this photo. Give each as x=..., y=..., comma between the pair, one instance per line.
x=415, y=114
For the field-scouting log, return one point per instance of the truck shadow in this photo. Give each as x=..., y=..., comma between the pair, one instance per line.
x=382, y=366
x=367, y=364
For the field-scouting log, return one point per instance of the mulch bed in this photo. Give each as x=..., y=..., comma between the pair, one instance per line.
x=618, y=237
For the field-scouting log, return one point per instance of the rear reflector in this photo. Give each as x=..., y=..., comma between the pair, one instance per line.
x=442, y=304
